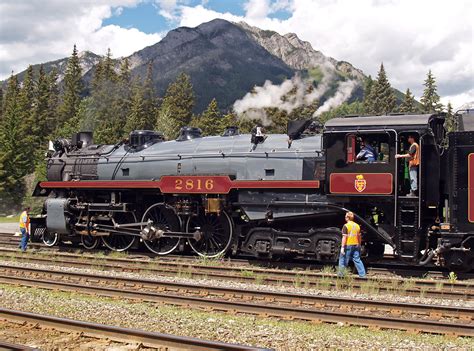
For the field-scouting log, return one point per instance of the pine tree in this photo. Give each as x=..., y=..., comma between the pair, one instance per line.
x=368, y=85
x=382, y=97
x=26, y=104
x=137, y=118
x=1, y=102
x=104, y=110
x=409, y=104
x=73, y=87
x=39, y=120
x=430, y=99
x=279, y=119
x=83, y=120
x=124, y=93
x=451, y=123
x=26, y=96
x=210, y=121
x=176, y=110
x=15, y=163
x=53, y=102
x=166, y=123
x=108, y=72
x=149, y=99
x=229, y=120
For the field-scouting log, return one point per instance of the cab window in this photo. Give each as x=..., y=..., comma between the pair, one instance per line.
x=367, y=148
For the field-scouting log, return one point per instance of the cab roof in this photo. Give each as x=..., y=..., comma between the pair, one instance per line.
x=422, y=121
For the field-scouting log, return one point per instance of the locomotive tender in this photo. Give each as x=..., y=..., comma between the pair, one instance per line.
x=268, y=197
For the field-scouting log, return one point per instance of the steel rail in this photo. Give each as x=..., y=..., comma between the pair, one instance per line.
x=7, y=346
x=264, y=310
x=420, y=287
x=388, y=267
x=7, y=273
x=150, y=339
x=376, y=268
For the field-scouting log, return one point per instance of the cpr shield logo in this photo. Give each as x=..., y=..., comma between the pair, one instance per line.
x=360, y=183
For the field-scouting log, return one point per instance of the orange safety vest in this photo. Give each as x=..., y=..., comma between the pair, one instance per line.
x=353, y=233
x=23, y=223
x=415, y=159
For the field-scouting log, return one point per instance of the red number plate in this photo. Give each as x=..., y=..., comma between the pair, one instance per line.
x=195, y=184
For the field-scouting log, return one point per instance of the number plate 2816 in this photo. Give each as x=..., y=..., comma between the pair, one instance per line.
x=195, y=184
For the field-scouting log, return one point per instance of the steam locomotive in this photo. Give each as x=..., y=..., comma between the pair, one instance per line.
x=268, y=196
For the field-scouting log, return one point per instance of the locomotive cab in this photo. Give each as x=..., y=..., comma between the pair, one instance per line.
x=365, y=176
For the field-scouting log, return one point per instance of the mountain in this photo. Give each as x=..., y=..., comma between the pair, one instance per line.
x=227, y=60
x=87, y=60
x=221, y=59
x=298, y=54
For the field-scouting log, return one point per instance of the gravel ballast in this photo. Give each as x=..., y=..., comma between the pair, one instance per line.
x=270, y=333
x=343, y=293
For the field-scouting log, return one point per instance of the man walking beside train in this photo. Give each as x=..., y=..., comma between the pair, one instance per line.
x=414, y=161
x=350, y=246
x=24, y=228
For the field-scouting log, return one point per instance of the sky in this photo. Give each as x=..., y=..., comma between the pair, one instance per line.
x=409, y=36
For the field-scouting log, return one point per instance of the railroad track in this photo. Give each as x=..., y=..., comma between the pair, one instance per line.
x=352, y=311
x=7, y=240
x=308, y=279
x=149, y=339
x=6, y=346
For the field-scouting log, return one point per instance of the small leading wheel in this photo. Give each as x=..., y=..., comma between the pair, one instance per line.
x=120, y=242
x=216, y=232
x=90, y=242
x=165, y=219
x=50, y=239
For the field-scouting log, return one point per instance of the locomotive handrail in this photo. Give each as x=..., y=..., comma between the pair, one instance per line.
x=144, y=158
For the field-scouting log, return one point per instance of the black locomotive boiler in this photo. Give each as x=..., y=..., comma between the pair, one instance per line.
x=268, y=196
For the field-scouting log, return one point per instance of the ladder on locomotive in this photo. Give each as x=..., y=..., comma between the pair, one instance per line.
x=408, y=216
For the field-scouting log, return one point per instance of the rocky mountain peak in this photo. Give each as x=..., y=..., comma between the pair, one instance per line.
x=297, y=53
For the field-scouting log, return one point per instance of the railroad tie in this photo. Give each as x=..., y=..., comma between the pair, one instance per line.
x=395, y=312
x=435, y=315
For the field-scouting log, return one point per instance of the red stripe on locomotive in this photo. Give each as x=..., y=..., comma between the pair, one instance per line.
x=187, y=184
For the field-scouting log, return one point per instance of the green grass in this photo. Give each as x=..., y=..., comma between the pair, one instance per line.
x=14, y=219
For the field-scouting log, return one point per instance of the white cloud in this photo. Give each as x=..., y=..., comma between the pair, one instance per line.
x=167, y=8
x=257, y=9
x=409, y=37
x=39, y=31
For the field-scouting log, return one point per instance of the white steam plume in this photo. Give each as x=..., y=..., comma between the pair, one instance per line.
x=343, y=92
x=287, y=96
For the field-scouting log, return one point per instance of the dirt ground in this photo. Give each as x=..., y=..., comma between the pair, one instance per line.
x=48, y=339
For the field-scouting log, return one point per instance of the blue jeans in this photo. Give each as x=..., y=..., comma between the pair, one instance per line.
x=24, y=239
x=414, y=178
x=352, y=252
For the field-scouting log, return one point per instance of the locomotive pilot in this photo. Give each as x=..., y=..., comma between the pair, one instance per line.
x=350, y=246
x=414, y=161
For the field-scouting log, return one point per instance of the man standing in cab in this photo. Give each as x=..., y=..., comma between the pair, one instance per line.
x=24, y=228
x=414, y=161
x=350, y=246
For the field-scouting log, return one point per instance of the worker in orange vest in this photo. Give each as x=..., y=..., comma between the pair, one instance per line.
x=414, y=161
x=350, y=246
x=24, y=228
